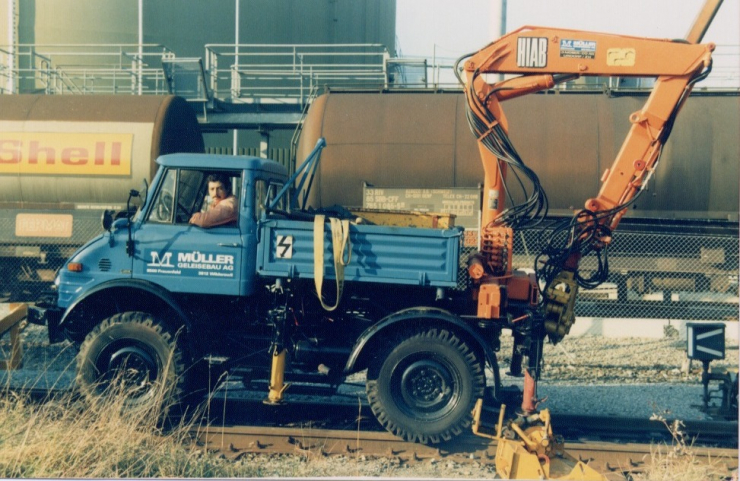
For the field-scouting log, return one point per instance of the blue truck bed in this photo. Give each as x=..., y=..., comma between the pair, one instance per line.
x=392, y=255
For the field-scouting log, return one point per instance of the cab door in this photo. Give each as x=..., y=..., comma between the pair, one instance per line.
x=181, y=257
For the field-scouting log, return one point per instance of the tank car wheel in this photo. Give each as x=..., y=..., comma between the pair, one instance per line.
x=134, y=355
x=424, y=386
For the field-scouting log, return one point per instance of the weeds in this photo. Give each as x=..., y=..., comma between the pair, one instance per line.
x=679, y=461
x=66, y=437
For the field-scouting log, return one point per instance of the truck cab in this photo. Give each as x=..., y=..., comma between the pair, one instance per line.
x=182, y=257
x=166, y=249
x=157, y=258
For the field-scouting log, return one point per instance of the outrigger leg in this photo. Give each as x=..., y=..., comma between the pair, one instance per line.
x=277, y=348
x=277, y=377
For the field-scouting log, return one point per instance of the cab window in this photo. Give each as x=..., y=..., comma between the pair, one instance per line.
x=164, y=200
x=264, y=193
x=184, y=192
x=189, y=197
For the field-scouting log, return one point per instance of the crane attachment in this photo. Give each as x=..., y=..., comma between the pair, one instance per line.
x=533, y=59
x=528, y=449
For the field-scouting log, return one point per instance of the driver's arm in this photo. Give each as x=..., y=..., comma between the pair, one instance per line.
x=224, y=212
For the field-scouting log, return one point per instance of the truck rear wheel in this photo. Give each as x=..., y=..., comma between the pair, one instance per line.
x=134, y=355
x=424, y=386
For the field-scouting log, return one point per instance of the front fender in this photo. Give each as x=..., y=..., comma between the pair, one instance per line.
x=120, y=295
x=424, y=314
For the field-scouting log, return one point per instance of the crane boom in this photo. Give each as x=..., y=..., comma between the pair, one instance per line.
x=543, y=57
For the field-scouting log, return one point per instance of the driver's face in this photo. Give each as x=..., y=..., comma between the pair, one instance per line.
x=216, y=190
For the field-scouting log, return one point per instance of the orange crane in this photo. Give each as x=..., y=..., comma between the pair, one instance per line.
x=542, y=58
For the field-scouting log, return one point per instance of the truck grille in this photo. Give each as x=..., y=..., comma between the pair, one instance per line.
x=104, y=265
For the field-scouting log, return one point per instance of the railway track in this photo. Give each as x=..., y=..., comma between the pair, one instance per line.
x=614, y=446
x=616, y=460
x=356, y=415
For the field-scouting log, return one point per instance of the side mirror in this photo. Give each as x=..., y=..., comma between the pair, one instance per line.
x=107, y=219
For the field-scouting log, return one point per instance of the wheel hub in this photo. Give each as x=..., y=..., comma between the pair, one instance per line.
x=135, y=367
x=426, y=385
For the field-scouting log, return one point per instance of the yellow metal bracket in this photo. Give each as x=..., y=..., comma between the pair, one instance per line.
x=527, y=449
x=12, y=322
x=277, y=379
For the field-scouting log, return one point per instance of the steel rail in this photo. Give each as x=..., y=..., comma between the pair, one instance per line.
x=609, y=458
x=614, y=446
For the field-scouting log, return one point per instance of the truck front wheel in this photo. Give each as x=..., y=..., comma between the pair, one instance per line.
x=133, y=355
x=423, y=387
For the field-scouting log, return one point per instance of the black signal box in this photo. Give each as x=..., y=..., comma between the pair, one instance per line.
x=706, y=341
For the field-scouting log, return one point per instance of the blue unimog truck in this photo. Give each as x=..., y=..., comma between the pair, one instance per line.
x=159, y=301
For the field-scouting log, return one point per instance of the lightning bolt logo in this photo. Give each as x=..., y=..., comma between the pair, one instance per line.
x=284, y=247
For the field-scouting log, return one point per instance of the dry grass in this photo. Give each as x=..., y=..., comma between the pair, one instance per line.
x=67, y=438
x=679, y=461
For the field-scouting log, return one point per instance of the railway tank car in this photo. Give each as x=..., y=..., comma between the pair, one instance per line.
x=63, y=160
x=678, y=241
x=422, y=140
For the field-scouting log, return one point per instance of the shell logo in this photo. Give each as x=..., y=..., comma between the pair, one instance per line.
x=68, y=153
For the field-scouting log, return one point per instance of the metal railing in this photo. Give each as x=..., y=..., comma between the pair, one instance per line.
x=248, y=72
x=83, y=69
x=726, y=68
x=725, y=75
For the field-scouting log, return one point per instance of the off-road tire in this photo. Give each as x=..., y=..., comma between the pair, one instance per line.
x=423, y=387
x=142, y=346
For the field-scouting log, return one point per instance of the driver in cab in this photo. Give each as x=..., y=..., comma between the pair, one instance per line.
x=220, y=205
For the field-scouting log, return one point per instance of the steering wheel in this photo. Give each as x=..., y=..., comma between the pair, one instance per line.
x=164, y=206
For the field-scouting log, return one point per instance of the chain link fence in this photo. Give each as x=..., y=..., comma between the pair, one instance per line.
x=658, y=275
x=663, y=275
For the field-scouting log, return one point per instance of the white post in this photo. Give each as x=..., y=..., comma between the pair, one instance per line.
x=264, y=142
x=434, y=67
x=141, y=45
x=236, y=60
x=498, y=23
x=12, y=46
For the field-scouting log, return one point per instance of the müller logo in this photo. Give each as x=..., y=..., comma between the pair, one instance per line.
x=66, y=153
